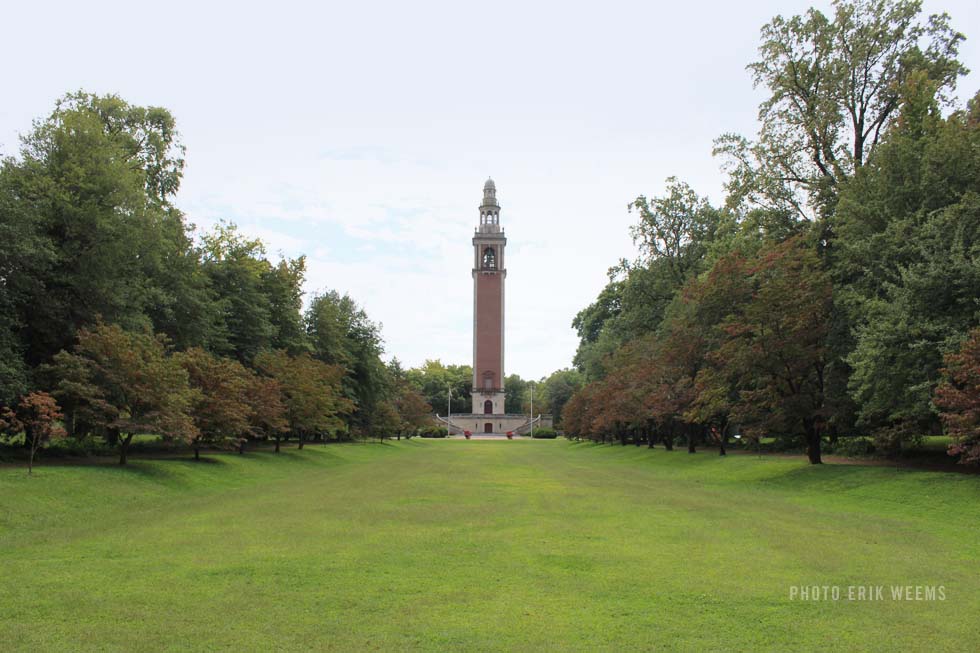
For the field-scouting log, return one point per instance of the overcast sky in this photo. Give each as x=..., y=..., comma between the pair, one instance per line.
x=360, y=133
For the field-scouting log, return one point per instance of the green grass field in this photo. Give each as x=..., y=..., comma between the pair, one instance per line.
x=455, y=545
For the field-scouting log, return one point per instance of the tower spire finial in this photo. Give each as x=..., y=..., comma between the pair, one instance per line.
x=489, y=209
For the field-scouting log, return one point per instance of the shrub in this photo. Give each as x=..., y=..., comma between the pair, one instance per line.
x=433, y=432
x=857, y=446
x=894, y=440
x=545, y=433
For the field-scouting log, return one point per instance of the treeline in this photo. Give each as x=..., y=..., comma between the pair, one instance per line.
x=116, y=321
x=836, y=292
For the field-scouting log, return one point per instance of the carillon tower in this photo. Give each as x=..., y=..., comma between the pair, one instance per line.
x=489, y=272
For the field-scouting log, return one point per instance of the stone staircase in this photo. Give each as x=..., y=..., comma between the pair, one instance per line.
x=518, y=424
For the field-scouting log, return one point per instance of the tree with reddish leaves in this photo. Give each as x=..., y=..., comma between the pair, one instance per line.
x=267, y=418
x=312, y=392
x=775, y=345
x=413, y=410
x=705, y=304
x=36, y=415
x=958, y=397
x=615, y=397
x=661, y=392
x=579, y=414
x=129, y=383
x=220, y=408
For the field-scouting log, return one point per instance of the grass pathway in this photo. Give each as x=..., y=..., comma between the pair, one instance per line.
x=483, y=545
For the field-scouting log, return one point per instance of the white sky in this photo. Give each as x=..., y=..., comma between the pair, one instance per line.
x=360, y=133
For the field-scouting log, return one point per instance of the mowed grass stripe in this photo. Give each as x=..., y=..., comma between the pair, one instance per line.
x=482, y=545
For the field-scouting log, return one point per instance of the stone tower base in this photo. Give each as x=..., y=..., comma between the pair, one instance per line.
x=498, y=424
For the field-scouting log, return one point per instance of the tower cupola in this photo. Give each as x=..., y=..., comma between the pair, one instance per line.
x=489, y=209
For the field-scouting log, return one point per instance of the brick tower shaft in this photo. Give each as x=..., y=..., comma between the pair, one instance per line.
x=489, y=273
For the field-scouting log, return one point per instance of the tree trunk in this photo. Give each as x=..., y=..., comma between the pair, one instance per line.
x=124, y=447
x=300, y=441
x=70, y=423
x=691, y=442
x=812, y=442
x=30, y=462
x=197, y=453
x=277, y=444
x=241, y=446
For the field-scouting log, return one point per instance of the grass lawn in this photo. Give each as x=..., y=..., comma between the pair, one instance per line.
x=449, y=545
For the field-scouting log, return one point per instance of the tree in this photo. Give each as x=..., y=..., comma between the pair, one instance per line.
x=312, y=392
x=95, y=181
x=236, y=267
x=69, y=378
x=130, y=383
x=674, y=235
x=834, y=86
x=557, y=389
x=267, y=417
x=595, y=339
x=434, y=380
x=697, y=333
x=283, y=285
x=907, y=263
x=579, y=413
x=775, y=345
x=958, y=397
x=413, y=410
x=341, y=333
x=385, y=420
x=515, y=389
x=24, y=257
x=675, y=228
x=37, y=417
x=221, y=409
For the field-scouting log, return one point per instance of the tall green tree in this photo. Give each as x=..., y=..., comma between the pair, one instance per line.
x=674, y=235
x=236, y=265
x=95, y=180
x=554, y=391
x=283, y=285
x=515, y=389
x=341, y=333
x=25, y=255
x=434, y=381
x=834, y=85
x=907, y=264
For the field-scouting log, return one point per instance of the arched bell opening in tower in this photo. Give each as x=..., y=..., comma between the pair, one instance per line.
x=489, y=259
